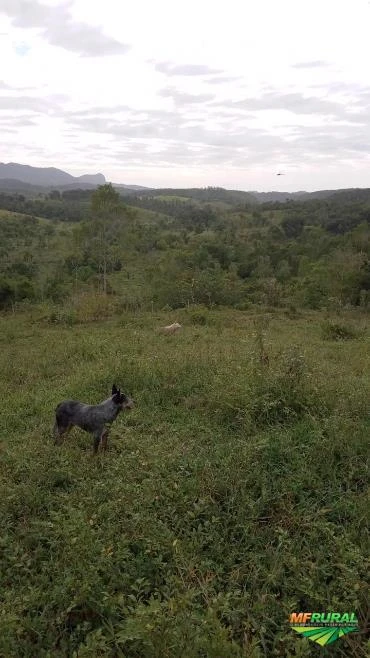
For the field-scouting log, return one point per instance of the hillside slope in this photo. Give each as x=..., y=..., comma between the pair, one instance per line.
x=45, y=176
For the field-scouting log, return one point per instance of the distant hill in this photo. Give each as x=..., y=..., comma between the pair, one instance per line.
x=205, y=194
x=282, y=197
x=350, y=194
x=91, y=179
x=133, y=188
x=28, y=180
x=235, y=197
x=14, y=185
x=31, y=181
x=46, y=176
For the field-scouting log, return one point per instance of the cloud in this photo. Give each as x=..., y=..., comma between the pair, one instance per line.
x=156, y=138
x=6, y=87
x=333, y=140
x=209, y=112
x=183, y=98
x=48, y=105
x=185, y=69
x=230, y=133
x=174, y=128
x=9, y=129
x=298, y=104
x=222, y=79
x=20, y=121
x=92, y=110
x=293, y=102
x=23, y=102
x=58, y=28
x=314, y=64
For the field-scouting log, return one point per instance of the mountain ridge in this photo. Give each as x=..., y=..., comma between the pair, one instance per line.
x=45, y=176
x=15, y=177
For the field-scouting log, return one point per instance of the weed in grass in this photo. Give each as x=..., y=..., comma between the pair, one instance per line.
x=284, y=393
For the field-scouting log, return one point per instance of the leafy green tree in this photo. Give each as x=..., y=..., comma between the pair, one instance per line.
x=106, y=210
x=105, y=200
x=292, y=226
x=283, y=271
x=55, y=195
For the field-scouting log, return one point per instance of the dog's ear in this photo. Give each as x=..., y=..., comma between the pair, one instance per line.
x=114, y=389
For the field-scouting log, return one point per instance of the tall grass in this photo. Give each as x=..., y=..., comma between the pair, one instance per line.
x=234, y=494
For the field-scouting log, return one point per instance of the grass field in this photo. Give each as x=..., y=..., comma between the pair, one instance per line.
x=234, y=494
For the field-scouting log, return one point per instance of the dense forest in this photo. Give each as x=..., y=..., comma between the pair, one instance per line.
x=171, y=250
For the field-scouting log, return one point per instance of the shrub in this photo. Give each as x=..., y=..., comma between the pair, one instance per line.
x=199, y=319
x=339, y=331
x=283, y=392
x=63, y=316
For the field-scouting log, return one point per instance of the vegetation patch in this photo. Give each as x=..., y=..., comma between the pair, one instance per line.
x=331, y=330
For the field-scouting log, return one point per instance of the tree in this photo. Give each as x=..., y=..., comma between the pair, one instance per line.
x=283, y=272
x=55, y=195
x=106, y=208
x=292, y=226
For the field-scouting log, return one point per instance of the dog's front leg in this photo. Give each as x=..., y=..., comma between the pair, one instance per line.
x=100, y=439
x=97, y=438
x=104, y=439
x=60, y=432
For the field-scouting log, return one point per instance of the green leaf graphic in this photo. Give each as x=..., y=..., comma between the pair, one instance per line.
x=322, y=635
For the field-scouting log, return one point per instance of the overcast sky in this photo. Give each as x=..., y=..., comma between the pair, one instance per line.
x=167, y=93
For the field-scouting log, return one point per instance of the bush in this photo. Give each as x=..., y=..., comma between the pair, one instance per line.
x=90, y=307
x=284, y=392
x=278, y=393
x=292, y=312
x=63, y=316
x=199, y=319
x=338, y=331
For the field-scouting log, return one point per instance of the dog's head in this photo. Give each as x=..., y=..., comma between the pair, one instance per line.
x=120, y=399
